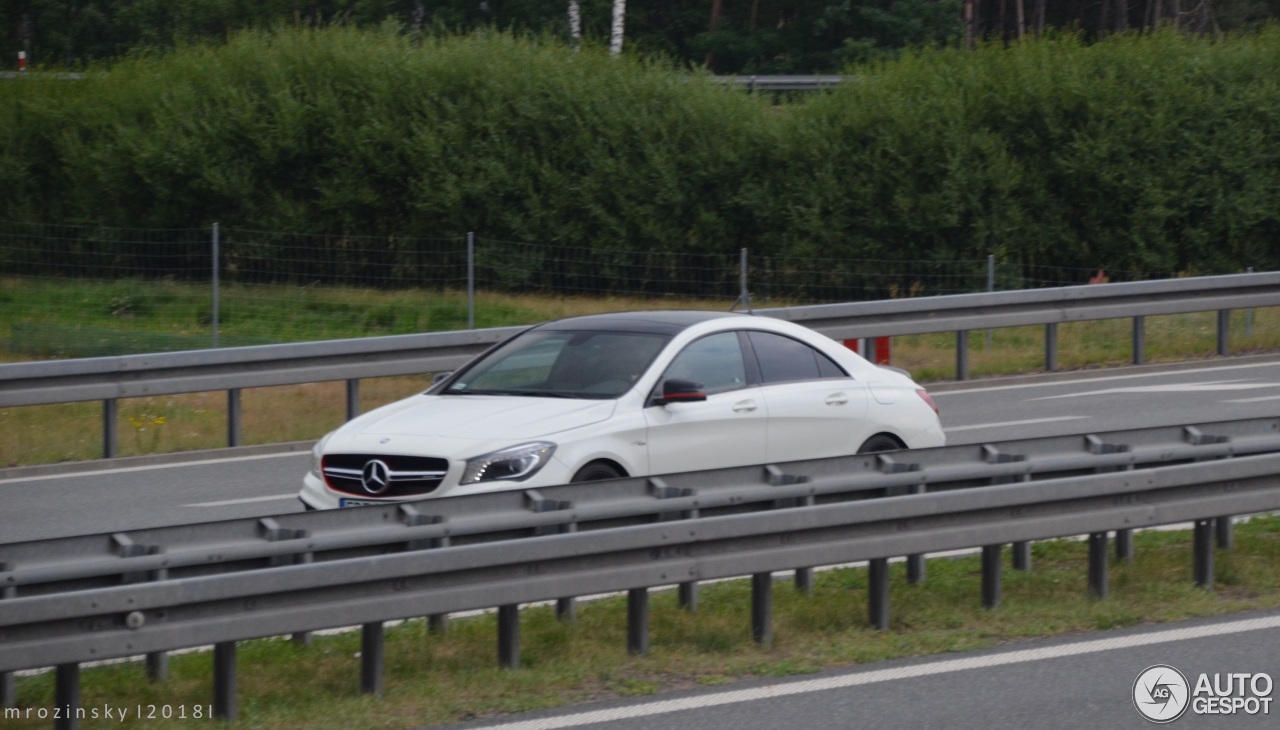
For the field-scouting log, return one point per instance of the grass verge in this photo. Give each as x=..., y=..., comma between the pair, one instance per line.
x=433, y=679
x=162, y=424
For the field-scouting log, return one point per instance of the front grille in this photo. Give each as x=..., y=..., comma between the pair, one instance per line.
x=380, y=475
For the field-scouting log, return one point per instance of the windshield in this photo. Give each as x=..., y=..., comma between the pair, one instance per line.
x=562, y=364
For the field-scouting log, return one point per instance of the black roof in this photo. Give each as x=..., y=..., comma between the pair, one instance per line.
x=666, y=322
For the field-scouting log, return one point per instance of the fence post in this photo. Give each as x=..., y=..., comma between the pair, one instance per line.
x=962, y=355
x=471, y=280
x=216, y=300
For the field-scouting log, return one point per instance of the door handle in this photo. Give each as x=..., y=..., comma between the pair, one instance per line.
x=744, y=406
x=837, y=399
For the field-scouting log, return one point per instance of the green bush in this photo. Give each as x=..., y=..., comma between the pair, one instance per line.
x=1141, y=153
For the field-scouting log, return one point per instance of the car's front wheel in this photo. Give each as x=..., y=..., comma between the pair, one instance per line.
x=597, y=471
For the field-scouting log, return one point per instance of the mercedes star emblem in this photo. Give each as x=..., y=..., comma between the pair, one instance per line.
x=375, y=476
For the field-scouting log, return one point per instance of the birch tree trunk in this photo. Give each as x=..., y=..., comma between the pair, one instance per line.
x=575, y=24
x=619, y=24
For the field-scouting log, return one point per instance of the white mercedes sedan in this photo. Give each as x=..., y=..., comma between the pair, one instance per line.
x=618, y=395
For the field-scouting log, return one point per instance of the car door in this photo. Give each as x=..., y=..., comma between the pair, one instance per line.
x=815, y=409
x=727, y=429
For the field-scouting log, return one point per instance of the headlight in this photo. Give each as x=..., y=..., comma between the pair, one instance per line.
x=516, y=463
x=317, y=454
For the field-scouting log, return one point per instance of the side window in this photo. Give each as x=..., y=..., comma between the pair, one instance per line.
x=783, y=359
x=714, y=361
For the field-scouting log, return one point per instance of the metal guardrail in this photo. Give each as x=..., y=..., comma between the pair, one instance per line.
x=71, y=600
x=231, y=369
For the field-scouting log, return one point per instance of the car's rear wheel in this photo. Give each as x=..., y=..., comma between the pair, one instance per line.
x=879, y=443
x=597, y=471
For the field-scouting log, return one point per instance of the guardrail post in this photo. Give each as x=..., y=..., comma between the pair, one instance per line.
x=991, y=555
x=762, y=608
x=224, y=680
x=353, y=398
x=233, y=417
x=804, y=576
x=1139, y=340
x=110, y=439
x=1225, y=529
x=1022, y=556
x=878, y=592
x=372, y=652
x=638, y=621
x=1203, y=561
x=567, y=607
x=8, y=686
x=509, y=636
x=962, y=355
x=916, y=563
x=1124, y=545
x=1224, y=332
x=804, y=581
x=687, y=596
x=1051, y=347
x=687, y=592
x=158, y=661
x=1098, y=564
x=66, y=695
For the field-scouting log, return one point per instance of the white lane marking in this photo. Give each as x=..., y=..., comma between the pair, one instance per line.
x=1005, y=424
x=1254, y=400
x=1104, y=379
x=150, y=467
x=246, y=500
x=948, y=666
x=1169, y=388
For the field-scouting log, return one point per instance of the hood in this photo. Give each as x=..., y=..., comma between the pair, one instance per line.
x=479, y=417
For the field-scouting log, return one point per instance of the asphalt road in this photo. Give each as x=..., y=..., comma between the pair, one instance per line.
x=1069, y=683
x=98, y=497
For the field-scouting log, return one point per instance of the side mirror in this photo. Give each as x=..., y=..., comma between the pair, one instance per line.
x=437, y=381
x=676, y=390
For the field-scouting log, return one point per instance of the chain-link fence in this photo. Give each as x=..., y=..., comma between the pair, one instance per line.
x=77, y=291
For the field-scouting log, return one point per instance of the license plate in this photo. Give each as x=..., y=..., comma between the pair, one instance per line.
x=344, y=503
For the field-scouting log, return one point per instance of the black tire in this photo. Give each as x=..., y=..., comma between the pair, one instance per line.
x=880, y=443
x=597, y=471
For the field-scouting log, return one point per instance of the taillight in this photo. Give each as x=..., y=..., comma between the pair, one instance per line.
x=924, y=396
